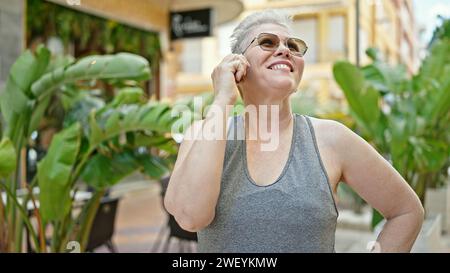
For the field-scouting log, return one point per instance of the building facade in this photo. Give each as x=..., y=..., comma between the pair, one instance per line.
x=12, y=35
x=331, y=30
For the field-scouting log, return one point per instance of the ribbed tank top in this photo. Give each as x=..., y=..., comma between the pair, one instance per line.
x=296, y=213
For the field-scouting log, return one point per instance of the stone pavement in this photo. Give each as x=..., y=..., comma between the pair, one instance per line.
x=141, y=218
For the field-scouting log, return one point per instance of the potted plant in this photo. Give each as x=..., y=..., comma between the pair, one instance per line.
x=406, y=118
x=114, y=140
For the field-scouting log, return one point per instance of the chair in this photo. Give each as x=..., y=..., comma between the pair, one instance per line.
x=102, y=229
x=175, y=231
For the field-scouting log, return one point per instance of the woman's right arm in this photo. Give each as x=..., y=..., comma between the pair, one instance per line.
x=194, y=186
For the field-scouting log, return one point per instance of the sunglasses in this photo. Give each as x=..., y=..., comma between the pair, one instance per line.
x=271, y=42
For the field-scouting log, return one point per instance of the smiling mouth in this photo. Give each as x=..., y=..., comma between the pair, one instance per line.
x=280, y=67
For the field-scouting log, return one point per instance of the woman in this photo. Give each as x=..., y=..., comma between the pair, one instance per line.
x=240, y=197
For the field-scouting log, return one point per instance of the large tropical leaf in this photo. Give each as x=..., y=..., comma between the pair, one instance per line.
x=154, y=140
x=416, y=112
x=430, y=154
x=80, y=110
x=143, y=126
x=54, y=173
x=29, y=67
x=16, y=100
x=154, y=166
x=151, y=117
x=351, y=80
x=120, y=66
x=385, y=78
x=37, y=114
x=398, y=142
x=436, y=82
x=435, y=62
x=102, y=171
x=8, y=157
x=128, y=95
x=362, y=98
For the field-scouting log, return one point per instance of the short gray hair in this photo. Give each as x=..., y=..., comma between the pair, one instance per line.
x=253, y=20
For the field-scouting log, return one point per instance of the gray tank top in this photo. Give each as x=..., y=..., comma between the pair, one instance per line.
x=296, y=213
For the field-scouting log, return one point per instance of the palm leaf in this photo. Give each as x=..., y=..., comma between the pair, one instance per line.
x=54, y=172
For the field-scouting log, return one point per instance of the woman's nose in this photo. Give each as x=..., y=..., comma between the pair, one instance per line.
x=282, y=50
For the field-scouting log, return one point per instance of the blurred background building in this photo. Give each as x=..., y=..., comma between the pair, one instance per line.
x=22, y=26
x=12, y=35
x=333, y=29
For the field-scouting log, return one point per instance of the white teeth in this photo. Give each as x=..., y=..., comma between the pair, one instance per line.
x=280, y=66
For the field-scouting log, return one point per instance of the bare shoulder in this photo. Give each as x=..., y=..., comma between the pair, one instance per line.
x=329, y=132
x=338, y=140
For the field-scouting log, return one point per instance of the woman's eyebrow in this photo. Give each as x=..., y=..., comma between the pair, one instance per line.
x=284, y=37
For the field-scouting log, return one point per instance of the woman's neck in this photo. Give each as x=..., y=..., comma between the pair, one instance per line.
x=269, y=117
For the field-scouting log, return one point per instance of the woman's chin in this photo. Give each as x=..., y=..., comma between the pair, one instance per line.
x=282, y=85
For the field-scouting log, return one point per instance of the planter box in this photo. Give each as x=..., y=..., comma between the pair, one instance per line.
x=437, y=201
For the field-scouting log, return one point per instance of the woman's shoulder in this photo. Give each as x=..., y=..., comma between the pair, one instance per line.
x=325, y=124
x=327, y=130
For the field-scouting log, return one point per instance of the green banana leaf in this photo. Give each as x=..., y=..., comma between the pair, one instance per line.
x=102, y=171
x=128, y=95
x=119, y=66
x=141, y=139
x=143, y=126
x=382, y=76
x=54, y=173
x=362, y=98
x=435, y=62
x=32, y=81
x=430, y=154
x=29, y=67
x=385, y=78
x=139, y=118
x=412, y=131
x=105, y=171
x=15, y=100
x=8, y=158
x=155, y=140
x=433, y=77
x=154, y=166
x=80, y=110
x=38, y=113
